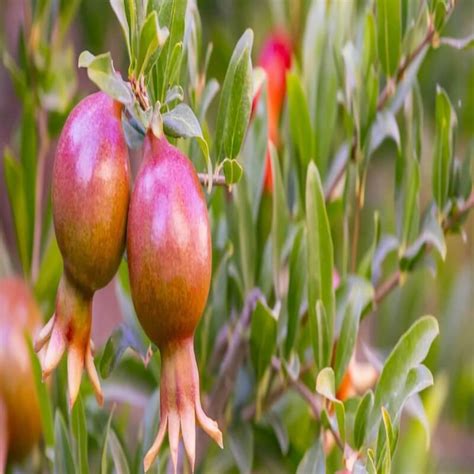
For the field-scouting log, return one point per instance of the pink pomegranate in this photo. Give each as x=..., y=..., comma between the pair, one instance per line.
x=90, y=194
x=169, y=258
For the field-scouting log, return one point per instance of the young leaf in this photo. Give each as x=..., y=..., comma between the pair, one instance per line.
x=325, y=386
x=443, y=153
x=172, y=14
x=319, y=254
x=389, y=34
x=152, y=37
x=263, y=333
x=236, y=100
x=118, y=454
x=232, y=171
x=101, y=72
x=63, y=460
x=361, y=419
x=360, y=295
x=79, y=430
x=410, y=351
x=459, y=43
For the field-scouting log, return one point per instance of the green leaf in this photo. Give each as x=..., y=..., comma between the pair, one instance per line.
x=63, y=459
x=246, y=235
x=232, y=171
x=360, y=295
x=122, y=338
x=397, y=373
x=410, y=202
x=104, y=458
x=319, y=255
x=236, y=99
x=119, y=8
x=431, y=234
x=79, y=430
x=46, y=412
x=314, y=461
x=299, y=120
x=101, y=72
x=241, y=442
x=369, y=51
x=297, y=281
x=280, y=221
x=389, y=34
x=361, y=418
x=14, y=179
x=263, y=334
x=325, y=386
x=49, y=275
x=172, y=14
x=118, y=454
x=443, y=149
x=181, y=122
x=152, y=37
x=365, y=268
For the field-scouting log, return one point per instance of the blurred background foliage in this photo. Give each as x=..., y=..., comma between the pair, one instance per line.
x=449, y=296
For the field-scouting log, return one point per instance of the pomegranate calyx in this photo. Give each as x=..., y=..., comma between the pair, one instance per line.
x=180, y=404
x=69, y=330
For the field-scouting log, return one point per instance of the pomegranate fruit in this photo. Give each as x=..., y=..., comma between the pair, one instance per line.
x=90, y=195
x=169, y=259
x=275, y=59
x=20, y=420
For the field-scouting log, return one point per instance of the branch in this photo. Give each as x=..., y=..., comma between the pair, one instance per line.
x=231, y=363
x=218, y=180
x=387, y=93
x=393, y=280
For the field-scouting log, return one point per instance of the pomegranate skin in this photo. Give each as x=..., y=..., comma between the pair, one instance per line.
x=90, y=195
x=169, y=244
x=169, y=260
x=19, y=406
x=90, y=191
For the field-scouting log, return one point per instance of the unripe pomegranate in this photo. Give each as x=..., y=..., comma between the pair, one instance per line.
x=275, y=59
x=20, y=422
x=169, y=259
x=90, y=194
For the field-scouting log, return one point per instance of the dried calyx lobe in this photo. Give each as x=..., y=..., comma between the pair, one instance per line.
x=169, y=258
x=90, y=195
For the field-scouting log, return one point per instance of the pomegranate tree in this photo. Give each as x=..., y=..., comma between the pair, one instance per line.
x=90, y=196
x=169, y=258
x=20, y=420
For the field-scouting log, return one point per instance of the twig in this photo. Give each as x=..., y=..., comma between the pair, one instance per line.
x=393, y=280
x=218, y=180
x=313, y=402
x=42, y=153
x=389, y=90
x=231, y=363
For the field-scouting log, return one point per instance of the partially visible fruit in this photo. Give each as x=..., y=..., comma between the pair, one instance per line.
x=169, y=259
x=275, y=59
x=90, y=195
x=20, y=420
